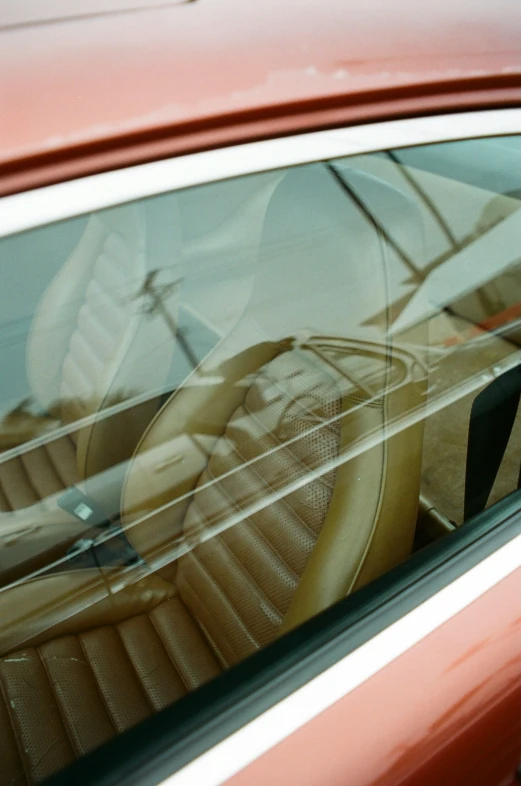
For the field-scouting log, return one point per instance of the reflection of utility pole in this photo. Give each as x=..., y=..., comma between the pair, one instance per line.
x=156, y=294
x=346, y=187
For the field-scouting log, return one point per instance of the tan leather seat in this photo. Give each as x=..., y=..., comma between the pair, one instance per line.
x=265, y=490
x=90, y=346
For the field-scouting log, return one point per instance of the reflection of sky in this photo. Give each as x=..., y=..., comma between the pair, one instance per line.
x=221, y=225
x=28, y=262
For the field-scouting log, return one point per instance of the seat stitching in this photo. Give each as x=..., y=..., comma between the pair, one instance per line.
x=262, y=536
x=170, y=656
x=4, y=494
x=281, y=500
x=291, y=399
x=273, y=436
x=270, y=435
x=28, y=478
x=148, y=616
x=18, y=742
x=61, y=482
x=288, y=448
x=227, y=601
x=250, y=523
x=217, y=653
x=54, y=466
x=247, y=521
x=249, y=578
x=73, y=745
x=98, y=686
x=296, y=516
x=138, y=678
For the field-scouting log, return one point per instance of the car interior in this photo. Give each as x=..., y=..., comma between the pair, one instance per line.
x=238, y=406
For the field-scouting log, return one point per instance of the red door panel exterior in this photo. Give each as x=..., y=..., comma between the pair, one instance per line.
x=448, y=711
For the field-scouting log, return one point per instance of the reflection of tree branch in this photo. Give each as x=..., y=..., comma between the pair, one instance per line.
x=156, y=294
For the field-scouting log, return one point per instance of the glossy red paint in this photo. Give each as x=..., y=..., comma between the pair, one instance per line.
x=448, y=711
x=93, y=93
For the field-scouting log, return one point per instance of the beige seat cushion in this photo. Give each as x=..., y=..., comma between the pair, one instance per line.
x=89, y=687
x=38, y=474
x=89, y=658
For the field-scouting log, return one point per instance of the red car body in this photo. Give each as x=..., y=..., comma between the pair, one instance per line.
x=99, y=87
x=92, y=90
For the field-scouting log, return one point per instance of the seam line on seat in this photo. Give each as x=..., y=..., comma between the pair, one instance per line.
x=216, y=484
x=217, y=653
x=138, y=678
x=61, y=479
x=29, y=481
x=283, y=447
x=256, y=532
x=220, y=539
x=222, y=490
x=281, y=500
x=225, y=662
x=227, y=601
x=333, y=385
x=98, y=687
x=241, y=568
x=257, y=590
x=73, y=745
x=18, y=742
x=170, y=656
x=8, y=501
x=61, y=482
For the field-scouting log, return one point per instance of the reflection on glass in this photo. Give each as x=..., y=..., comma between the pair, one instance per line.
x=233, y=406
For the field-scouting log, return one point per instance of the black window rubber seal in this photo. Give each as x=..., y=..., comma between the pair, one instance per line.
x=164, y=743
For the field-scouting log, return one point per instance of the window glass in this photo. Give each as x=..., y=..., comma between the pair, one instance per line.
x=224, y=409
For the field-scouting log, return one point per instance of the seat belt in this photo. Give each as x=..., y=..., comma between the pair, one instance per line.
x=491, y=420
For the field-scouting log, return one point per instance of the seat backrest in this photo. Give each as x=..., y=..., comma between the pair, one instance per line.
x=92, y=345
x=280, y=484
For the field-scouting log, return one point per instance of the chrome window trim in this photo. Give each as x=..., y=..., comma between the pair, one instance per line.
x=64, y=200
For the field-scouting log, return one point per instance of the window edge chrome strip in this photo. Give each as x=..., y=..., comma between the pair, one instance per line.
x=65, y=200
x=227, y=758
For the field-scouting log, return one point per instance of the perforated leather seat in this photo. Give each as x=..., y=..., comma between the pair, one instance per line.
x=90, y=346
x=228, y=596
x=267, y=488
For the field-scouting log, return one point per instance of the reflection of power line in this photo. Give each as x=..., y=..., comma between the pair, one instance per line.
x=488, y=303
x=424, y=197
x=344, y=185
x=156, y=294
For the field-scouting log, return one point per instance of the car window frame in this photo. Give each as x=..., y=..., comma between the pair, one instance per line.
x=166, y=748
x=30, y=209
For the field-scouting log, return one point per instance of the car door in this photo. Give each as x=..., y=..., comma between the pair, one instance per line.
x=415, y=675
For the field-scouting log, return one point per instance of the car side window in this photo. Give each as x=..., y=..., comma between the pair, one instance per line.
x=468, y=292
x=225, y=409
